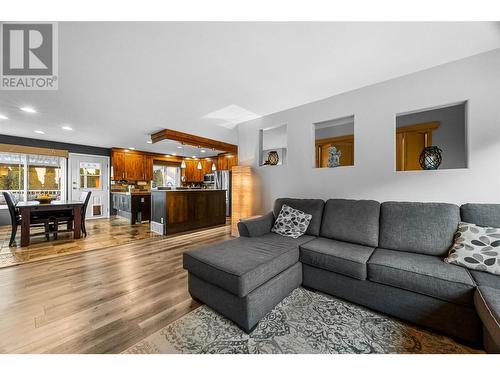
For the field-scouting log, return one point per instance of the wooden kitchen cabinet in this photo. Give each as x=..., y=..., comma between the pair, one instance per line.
x=148, y=168
x=118, y=165
x=207, y=166
x=131, y=166
x=226, y=161
x=191, y=172
x=134, y=167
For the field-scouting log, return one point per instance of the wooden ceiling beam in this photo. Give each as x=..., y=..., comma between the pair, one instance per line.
x=193, y=140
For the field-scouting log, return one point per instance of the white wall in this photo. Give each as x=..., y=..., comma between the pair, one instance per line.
x=476, y=79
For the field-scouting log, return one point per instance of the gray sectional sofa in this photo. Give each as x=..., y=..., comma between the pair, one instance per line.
x=388, y=257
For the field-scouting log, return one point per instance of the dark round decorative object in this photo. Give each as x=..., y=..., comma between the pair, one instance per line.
x=272, y=158
x=431, y=158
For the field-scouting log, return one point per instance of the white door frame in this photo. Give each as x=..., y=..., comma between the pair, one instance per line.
x=106, y=184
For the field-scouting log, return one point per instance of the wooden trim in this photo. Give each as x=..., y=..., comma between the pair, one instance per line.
x=342, y=138
x=193, y=140
x=33, y=150
x=153, y=155
x=426, y=126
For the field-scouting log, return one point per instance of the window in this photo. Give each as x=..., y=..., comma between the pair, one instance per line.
x=166, y=175
x=90, y=175
x=28, y=176
x=12, y=175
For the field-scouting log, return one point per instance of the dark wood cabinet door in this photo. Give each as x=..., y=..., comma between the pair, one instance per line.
x=232, y=160
x=192, y=173
x=226, y=161
x=207, y=166
x=134, y=167
x=118, y=164
x=221, y=163
x=148, y=168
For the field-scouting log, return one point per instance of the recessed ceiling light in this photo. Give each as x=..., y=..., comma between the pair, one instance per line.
x=28, y=109
x=131, y=148
x=174, y=154
x=66, y=127
x=149, y=141
x=39, y=132
x=194, y=157
x=3, y=117
x=179, y=146
x=203, y=151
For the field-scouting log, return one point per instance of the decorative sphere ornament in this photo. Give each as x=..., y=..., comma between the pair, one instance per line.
x=272, y=158
x=431, y=158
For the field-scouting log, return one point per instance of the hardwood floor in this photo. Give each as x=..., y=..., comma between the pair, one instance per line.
x=101, y=301
x=101, y=233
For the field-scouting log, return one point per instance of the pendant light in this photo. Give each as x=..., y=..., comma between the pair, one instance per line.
x=199, y=165
x=214, y=168
x=183, y=164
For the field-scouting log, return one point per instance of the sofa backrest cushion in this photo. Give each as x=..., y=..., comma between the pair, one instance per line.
x=309, y=206
x=425, y=228
x=349, y=220
x=484, y=215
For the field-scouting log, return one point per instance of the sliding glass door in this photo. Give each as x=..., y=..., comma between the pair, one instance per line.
x=29, y=176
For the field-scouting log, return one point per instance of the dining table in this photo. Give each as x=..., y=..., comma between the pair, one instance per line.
x=30, y=208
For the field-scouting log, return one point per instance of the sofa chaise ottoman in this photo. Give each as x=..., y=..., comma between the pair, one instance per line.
x=243, y=279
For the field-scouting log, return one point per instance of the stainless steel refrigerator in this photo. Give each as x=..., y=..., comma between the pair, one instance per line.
x=223, y=181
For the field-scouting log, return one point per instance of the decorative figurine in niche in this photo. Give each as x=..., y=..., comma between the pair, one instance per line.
x=333, y=157
x=431, y=158
x=272, y=158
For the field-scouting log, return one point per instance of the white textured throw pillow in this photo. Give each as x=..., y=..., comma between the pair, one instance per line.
x=291, y=222
x=477, y=248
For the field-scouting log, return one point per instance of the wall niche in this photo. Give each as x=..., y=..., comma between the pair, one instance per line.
x=432, y=139
x=273, y=146
x=334, y=143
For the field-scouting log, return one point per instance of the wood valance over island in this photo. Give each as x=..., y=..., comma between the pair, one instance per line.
x=174, y=211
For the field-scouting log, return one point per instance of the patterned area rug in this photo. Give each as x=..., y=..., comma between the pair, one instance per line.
x=304, y=322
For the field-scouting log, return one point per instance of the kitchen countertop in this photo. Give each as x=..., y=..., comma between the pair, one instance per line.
x=133, y=193
x=189, y=190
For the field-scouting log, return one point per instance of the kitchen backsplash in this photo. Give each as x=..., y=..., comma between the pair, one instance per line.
x=138, y=186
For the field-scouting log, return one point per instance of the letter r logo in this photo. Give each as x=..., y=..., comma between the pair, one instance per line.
x=27, y=49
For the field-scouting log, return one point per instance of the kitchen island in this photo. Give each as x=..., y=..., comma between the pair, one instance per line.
x=134, y=206
x=174, y=211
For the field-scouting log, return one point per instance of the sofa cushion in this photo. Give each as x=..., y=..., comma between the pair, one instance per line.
x=487, y=302
x=291, y=222
x=341, y=257
x=425, y=228
x=485, y=279
x=350, y=220
x=476, y=248
x=309, y=206
x=422, y=274
x=242, y=264
x=485, y=215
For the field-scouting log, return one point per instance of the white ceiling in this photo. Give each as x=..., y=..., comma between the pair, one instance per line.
x=119, y=82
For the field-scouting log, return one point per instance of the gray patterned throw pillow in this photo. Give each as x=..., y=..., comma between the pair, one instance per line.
x=291, y=222
x=477, y=248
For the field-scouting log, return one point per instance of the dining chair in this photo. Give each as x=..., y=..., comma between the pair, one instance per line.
x=15, y=218
x=66, y=217
x=85, y=197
